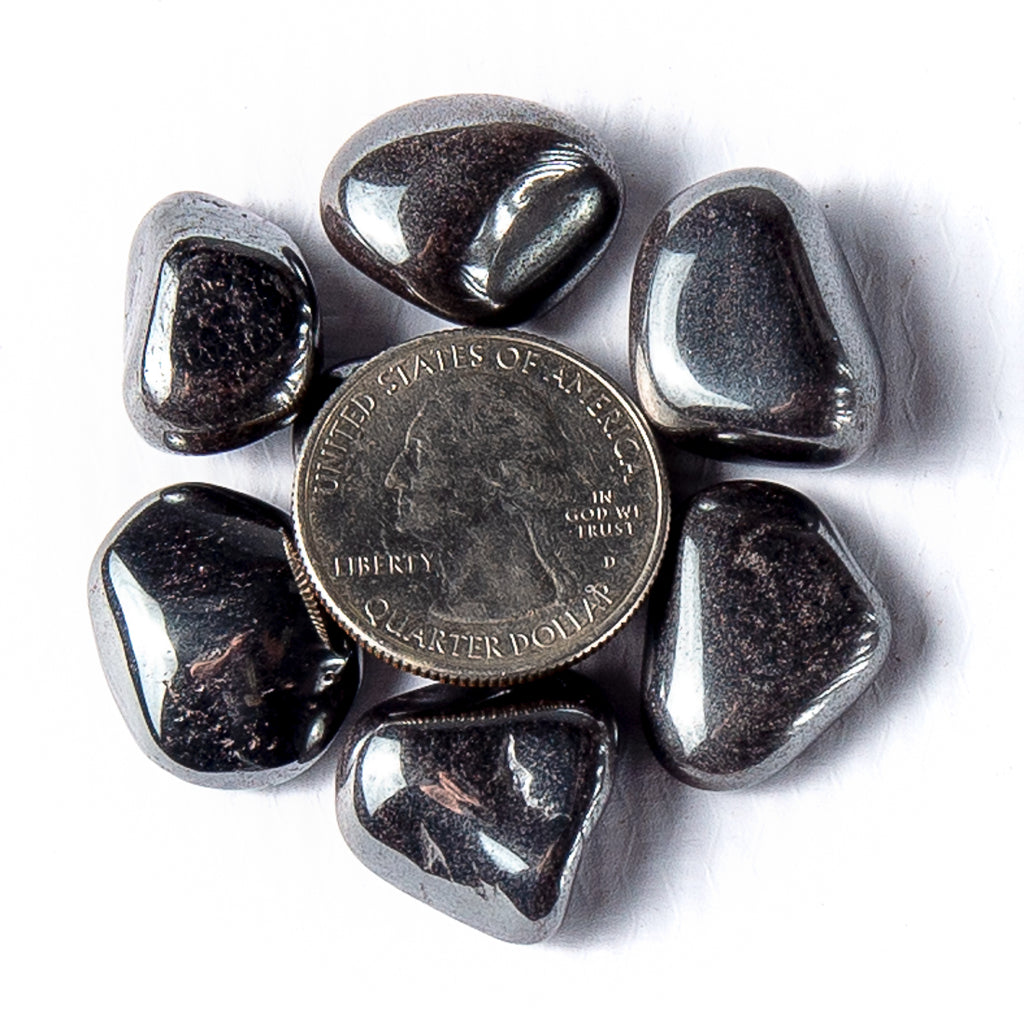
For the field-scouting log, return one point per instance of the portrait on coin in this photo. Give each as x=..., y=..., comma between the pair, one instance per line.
x=482, y=475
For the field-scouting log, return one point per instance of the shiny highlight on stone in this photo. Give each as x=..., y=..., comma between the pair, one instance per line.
x=207, y=643
x=484, y=210
x=762, y=632
x=479, y=805
x=748, y=337
x=220, y=326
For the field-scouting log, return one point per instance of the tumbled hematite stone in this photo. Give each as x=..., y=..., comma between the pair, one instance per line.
x=220, y=326
x=479, y=804
x=482, y=209
x=207, y=643
x=320, y=389
x=748, y=336
x=762, y=634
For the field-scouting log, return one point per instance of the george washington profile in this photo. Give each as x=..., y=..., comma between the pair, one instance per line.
x=480, y=480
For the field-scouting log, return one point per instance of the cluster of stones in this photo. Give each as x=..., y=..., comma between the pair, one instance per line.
x=748, y=341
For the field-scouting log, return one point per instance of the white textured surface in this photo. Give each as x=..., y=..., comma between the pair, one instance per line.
x=878, y=877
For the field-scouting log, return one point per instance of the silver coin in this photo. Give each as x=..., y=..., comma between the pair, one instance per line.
x=480, y=506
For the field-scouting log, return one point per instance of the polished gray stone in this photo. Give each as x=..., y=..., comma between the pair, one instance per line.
x=748, y=337
x=220, y=326
x=485, y=210
x=207, y=644
x=762, y=632
x=479, y=802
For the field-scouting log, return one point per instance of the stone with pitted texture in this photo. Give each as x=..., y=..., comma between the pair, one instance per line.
x=220, y=326
x=207, y=643
x=485, y=210
x=479, y=804
x=748, y=337
x=762, y=633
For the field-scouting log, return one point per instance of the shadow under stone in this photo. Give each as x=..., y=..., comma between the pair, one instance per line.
x=650, y=825
x=935, y=359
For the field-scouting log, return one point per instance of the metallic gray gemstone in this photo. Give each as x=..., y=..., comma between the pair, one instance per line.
x=482, y=209
x=220, y=326
x=320, y=389
x=748, y=337
x=762, y=633
x=207, y=645
x=479, y=803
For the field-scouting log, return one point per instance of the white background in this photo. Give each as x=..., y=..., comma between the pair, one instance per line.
x=877, y=877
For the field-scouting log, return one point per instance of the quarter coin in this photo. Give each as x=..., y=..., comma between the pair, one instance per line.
x=480, y=506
